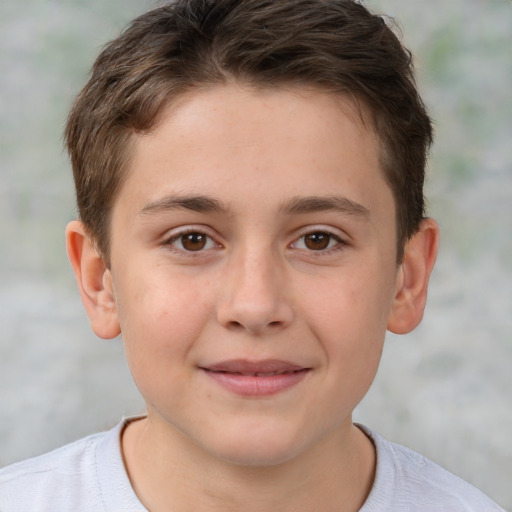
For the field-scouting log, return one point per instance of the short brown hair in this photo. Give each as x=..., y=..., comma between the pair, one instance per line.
x=337, y=45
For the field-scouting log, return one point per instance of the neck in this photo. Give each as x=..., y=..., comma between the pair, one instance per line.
x=168, y=472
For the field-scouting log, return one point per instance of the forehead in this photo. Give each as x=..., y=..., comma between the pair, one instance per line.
x=237, y=139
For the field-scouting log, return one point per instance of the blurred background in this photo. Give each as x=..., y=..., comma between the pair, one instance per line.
x=444, y=390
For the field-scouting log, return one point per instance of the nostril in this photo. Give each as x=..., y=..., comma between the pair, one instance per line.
x=256, y=316
x=235, y=325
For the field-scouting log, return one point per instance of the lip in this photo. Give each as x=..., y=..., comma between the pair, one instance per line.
x=256, y=378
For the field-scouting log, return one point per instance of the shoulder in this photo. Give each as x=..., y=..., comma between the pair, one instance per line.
x=406, y=480
x=67, y=479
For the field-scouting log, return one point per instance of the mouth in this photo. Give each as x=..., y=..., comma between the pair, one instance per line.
x=256, y=378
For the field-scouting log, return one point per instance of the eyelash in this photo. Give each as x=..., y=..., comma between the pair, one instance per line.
x=179, y=237
x=334, y=242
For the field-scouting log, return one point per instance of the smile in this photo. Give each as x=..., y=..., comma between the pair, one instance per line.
x=256, y=379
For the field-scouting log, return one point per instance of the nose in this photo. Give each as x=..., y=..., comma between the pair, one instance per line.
x=253, y=294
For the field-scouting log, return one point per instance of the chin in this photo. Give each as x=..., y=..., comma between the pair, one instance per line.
x=257, y=456
x=256, y=447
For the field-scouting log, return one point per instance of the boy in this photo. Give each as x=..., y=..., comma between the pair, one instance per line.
x=249, y=181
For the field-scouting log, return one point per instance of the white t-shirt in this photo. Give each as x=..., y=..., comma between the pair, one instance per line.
x=89, y=476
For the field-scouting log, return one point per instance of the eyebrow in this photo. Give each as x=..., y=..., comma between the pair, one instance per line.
x=195, y=203
x=326, y=203
x=296, y=205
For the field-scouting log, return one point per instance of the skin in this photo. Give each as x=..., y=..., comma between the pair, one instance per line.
x=261, y=287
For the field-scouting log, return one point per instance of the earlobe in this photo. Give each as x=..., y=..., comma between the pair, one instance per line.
x=412, y=282
x=94, y=281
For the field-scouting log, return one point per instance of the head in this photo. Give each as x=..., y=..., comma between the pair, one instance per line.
x=246, y=171
x=332, y=45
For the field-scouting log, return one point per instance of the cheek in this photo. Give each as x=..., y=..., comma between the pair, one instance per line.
x=160, y=330
x=161, y=318
x=349, y=314
x=355, y=301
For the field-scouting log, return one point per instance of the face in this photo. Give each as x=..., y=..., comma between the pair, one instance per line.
x=254, y=270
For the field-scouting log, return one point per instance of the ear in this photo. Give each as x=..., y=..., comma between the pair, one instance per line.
x=94, y=281
x=420, y=254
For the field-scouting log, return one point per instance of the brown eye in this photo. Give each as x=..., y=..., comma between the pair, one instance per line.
x=317, y=241
x=193, y=241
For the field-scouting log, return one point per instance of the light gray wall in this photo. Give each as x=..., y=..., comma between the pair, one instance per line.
x=444, y=390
